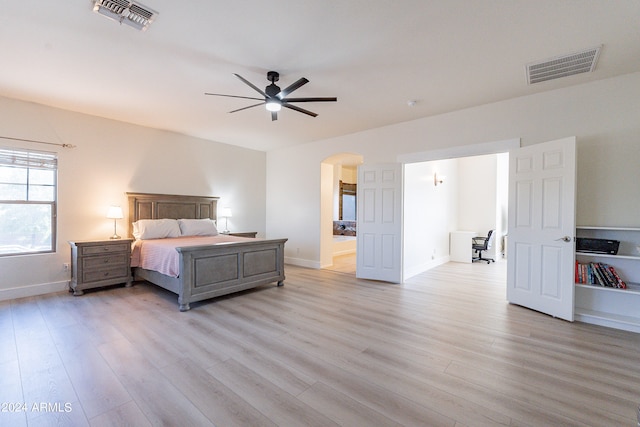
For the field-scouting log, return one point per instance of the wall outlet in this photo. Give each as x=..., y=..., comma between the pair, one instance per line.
x=65, y=266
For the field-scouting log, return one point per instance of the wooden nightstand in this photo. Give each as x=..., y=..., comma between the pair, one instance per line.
x=97, y=263
x=243, y=234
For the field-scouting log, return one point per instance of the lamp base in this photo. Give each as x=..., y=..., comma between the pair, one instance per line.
x=115, y=229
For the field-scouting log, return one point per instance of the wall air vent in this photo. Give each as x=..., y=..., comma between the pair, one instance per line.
x=126, y=12
x=563, y=66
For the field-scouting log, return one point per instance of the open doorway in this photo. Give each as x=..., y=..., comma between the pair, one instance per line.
x=460, y=195
x=338, y=212
x=463, y=188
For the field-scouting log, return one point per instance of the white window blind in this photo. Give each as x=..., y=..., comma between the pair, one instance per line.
x=28, y=159
x=28, y=189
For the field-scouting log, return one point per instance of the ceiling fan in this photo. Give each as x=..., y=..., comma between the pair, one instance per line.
x=274, y=98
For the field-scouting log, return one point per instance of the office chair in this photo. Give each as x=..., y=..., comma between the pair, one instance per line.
x=480, y=244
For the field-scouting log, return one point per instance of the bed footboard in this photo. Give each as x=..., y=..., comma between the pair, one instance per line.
x=211, y=271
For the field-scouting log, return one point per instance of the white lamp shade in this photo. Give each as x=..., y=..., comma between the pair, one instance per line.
x=226, y=213
x=115, y=212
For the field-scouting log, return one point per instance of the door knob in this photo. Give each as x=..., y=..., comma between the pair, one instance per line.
x=565, y=239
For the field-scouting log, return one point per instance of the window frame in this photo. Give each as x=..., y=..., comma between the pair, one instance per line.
x=33, y=159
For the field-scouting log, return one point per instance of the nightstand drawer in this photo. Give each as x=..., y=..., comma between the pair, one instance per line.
x=109, y=274
x=104, y=249
x=109, y=261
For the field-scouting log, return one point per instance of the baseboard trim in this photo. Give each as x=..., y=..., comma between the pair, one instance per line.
x=602, y=319
x=414, y=271
x=33, y=290
x=302, y=262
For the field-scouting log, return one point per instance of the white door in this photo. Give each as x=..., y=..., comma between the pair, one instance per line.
x=540, y=265
x=379, y=233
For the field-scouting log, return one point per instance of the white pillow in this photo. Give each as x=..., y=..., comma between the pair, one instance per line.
x=197, y=227
x=145, y=229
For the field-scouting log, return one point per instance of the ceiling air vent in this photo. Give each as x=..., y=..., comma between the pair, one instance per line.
x=126, y=12
x=563, y=66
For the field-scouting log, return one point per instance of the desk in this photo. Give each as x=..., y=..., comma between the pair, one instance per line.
x=460, y=246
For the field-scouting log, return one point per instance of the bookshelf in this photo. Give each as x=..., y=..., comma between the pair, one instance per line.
x=616, y=308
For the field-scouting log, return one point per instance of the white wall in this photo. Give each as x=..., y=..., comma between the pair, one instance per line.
x=477, y=196
x=326, y=224
x=350, y=174
x=602, y=115
x=430, y=214
x=477, y=193
x=112, y=158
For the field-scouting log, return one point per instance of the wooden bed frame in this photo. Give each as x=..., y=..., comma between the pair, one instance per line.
x=210, y=270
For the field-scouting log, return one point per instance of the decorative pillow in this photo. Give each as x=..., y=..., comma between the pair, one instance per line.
x=146, y=229
x=197, y=227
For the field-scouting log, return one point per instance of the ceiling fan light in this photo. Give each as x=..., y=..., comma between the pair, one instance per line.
x=273, y=105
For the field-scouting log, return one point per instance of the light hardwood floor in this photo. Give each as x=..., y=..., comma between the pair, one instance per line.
x=444, y=348
x=344, y=264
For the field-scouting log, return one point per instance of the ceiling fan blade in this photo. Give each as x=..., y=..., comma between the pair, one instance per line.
x=286, y=91
x=301, y=110
x=244, y=108
x=322, y=99
x=274, y=116
x=233, y=96
x=251, y=85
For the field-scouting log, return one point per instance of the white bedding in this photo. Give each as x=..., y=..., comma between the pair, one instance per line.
x=160, y=254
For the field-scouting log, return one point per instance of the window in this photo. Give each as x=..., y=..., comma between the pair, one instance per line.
x=27, y=201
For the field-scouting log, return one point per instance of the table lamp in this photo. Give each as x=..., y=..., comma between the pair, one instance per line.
x=226, y=214
x=115, y=213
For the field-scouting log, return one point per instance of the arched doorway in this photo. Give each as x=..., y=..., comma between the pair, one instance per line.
x=338, y=171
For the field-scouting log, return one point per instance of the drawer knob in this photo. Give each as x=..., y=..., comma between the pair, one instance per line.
x=106, y=273
x=106, y=261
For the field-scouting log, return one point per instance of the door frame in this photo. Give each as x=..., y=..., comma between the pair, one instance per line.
x=480, y=149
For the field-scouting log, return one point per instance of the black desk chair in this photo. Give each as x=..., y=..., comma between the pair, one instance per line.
x=480, y=244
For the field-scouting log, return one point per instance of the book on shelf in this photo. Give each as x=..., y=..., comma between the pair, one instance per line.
x=621, y=283
x=597, y=273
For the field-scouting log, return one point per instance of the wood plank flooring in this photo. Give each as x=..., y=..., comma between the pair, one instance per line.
x=442, y=349
x=344, y=263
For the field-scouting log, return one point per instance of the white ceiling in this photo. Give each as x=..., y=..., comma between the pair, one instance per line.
x=374, y=55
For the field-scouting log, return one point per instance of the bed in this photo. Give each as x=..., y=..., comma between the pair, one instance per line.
x=209, y=270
